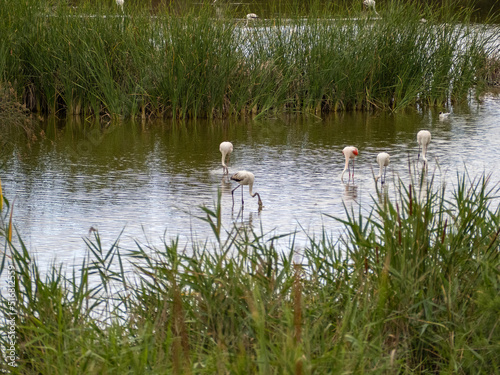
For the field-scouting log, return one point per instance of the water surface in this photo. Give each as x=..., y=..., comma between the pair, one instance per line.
x=149, y=180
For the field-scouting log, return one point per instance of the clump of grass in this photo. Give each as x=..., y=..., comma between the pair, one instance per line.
x=412, y=287
x=94, y=60
x=491, y=71
x=10, y=108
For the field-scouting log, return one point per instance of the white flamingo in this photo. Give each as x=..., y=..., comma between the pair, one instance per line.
x=443, y=116
x=245, y=178
x=370, y=4
x=350, y=152
x=423, y=139
x=383, y=160
x=225, y=148
x=120, y=4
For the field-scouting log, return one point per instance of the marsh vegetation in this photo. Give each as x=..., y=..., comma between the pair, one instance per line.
x=100, y=61
x=411, y=287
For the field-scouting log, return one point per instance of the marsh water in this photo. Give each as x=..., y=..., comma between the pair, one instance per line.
x=146, y=182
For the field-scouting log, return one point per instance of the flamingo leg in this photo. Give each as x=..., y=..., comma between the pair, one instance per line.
x=242, y=203
x=232, y=192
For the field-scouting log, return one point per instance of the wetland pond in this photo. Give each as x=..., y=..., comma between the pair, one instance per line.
x=146, y=182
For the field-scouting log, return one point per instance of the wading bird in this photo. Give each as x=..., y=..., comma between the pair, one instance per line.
x=443, y=116
x=225, y=149
x=423, y=139
x=349, y=152
x=370, y=4
x=383, y=160
x=251, y=17
x=120, y=3
x=245, y=178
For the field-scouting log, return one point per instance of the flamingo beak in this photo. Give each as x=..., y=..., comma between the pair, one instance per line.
x=355, y=152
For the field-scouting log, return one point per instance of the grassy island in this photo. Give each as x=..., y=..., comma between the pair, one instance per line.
x=208, y=62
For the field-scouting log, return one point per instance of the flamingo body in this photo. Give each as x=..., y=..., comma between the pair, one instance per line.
x=245, y=178
x=225, y=148
x=423, y=139
x=383, y=160
x=350, y=152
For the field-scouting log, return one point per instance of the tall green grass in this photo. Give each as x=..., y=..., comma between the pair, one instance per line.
x=200, y=62
x=412, y=287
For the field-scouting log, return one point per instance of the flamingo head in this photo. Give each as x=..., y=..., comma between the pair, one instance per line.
x=355, y=151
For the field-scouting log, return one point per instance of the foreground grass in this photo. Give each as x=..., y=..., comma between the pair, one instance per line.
x=94, y=60
x=413, y=287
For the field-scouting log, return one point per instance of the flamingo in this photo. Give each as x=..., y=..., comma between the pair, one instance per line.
x=349, y=152
x=443, y=116
x=423, y=139
x=245, y=178
x=225, y=148
x=383, y=160
x=370, y=4
x=120, y=3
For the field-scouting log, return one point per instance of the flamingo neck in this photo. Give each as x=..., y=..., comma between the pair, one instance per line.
x=346, y=166
x=224, y=159
x=424, y=152
x=379, y=173
x=250, y=187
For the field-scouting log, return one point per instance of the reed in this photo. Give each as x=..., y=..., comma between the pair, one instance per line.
x=203, y=62
x=411, y=287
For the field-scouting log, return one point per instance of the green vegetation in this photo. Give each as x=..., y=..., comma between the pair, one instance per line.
x=94, y=60
x=411, y=288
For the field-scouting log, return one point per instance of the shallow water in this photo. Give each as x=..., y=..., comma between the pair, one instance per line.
x=150, y=180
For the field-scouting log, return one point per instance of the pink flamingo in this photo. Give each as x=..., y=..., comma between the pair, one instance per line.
x=423, y=139
x=245, y=178
x=383, y=160
x=350, y=152
x=225, y=148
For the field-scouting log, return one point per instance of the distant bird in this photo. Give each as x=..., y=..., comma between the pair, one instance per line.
x=245, y=178
x=423, y=139
x=120, y=3
x=225, y=148
x=251, y=17
x=370, y=4
x=443, y=116
x=383, y=161
x=349, y=152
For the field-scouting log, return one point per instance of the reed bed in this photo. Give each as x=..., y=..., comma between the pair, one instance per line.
x=410, y=288
x=206, y=62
